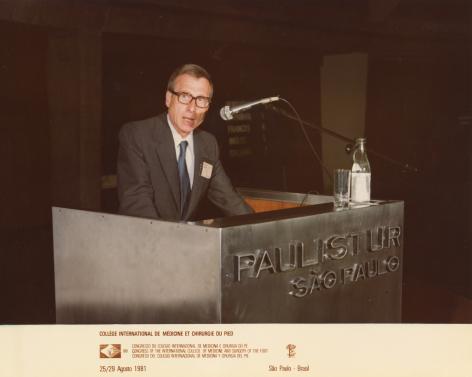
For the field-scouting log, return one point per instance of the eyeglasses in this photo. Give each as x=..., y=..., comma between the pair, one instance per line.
x=186, y=98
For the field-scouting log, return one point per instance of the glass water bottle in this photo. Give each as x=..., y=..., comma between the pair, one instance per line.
x=360, y=173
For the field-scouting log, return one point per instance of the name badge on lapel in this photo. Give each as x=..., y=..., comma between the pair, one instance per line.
x=206, y=170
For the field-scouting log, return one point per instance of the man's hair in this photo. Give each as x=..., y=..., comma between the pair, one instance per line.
x=191, y=70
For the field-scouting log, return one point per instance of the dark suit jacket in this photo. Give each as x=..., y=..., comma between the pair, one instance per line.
x=148, y=179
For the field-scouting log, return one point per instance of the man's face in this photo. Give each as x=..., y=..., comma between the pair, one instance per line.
x=186, y=118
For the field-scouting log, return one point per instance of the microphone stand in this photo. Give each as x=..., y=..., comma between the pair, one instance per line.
x=350, y=142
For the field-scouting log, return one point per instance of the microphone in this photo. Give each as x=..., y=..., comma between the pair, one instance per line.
x=227, y=112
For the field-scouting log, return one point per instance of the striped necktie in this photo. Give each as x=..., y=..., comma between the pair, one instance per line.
x=184, y=179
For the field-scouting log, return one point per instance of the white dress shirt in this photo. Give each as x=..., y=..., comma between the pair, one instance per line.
x=189, y=154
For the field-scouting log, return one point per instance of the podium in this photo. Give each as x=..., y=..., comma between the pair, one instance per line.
x=287, y=263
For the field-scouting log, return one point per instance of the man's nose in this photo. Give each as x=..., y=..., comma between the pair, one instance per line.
x=192, y=105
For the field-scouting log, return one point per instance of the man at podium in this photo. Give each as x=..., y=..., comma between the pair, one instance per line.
x=166, y=165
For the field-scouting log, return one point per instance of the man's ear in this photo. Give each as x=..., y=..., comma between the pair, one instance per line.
x=168, y=98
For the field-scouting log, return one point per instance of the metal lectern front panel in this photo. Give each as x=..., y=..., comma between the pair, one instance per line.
x=343, y=266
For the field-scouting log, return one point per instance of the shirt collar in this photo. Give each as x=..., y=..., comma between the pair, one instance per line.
x=177, y=138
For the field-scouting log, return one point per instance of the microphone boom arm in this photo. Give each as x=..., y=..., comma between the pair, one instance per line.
x=406, y=166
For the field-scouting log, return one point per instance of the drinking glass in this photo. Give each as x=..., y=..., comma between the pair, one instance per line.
x=342, y=188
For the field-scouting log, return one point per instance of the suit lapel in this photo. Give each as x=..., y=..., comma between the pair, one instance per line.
x=166, y=152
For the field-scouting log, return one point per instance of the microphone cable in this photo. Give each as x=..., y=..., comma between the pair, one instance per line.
x=307, y=138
